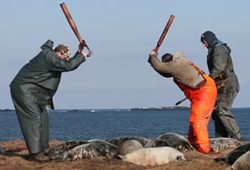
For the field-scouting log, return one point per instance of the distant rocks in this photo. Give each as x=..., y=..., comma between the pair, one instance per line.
x=6, y=110
x=161, y=108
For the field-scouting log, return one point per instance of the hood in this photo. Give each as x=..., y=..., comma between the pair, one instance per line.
x=178, y=55
x=209, y=37
x=47, y=45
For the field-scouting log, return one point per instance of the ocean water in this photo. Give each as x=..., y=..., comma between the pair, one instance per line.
x=110, y=123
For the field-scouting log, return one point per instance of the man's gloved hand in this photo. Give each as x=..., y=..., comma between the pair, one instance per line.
x=81, y=46
x=153, y=53
x=150, y=55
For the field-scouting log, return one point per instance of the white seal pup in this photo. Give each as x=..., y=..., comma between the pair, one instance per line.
x=219, y=144
x=242, y=163
x=91, y=150
x=234, y=154
x=150, y=157
x=119, y=140
x=176, y=141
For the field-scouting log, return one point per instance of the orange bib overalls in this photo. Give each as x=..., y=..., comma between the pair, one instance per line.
x=202, y=105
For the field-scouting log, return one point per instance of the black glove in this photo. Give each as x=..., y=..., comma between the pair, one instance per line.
x=149, y=59
x=81, y=46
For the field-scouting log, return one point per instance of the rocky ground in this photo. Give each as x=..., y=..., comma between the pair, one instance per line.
x=15, y=157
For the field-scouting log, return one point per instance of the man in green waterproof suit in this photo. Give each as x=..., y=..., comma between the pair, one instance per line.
x=33, y=88
x=220, y=66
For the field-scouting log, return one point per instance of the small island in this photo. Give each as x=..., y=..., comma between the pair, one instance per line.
x=162, y=108
x=6, y=110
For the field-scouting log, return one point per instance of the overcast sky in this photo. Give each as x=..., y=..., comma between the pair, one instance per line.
x=121, y=33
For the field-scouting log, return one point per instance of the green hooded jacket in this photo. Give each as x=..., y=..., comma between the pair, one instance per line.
x=43, y=73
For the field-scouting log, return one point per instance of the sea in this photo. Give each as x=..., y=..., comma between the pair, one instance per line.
x=86, y=124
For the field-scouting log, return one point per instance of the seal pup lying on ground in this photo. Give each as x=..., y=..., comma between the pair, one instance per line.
x=234, y=154
x=242, y=163
x=156, y=143
x=218, y=144
x=128, y=147
x=150, y=157
x=58, y=151
x=119, y=140
x=176, y=141
x=91, y=150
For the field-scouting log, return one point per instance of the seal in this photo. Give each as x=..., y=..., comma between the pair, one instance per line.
x=242, y=162
x=129, y=146
x=156, y=143
x=176, y=141
x=219, y=144
x=151, y=157
x=119, y=140
x=57, y=152
x=91, y=150
x=234, y=154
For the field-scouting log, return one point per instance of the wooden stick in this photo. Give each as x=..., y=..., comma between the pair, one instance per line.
x=73, y=26
x=164, y=33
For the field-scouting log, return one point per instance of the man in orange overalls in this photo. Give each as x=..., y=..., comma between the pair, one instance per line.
x=197, y=86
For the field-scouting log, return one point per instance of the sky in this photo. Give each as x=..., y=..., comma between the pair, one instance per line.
x=121, y=35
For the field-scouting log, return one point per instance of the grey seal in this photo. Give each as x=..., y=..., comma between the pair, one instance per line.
x=91, y=150
x=58, y=151
x=119, y=140
x=234, y=154
x=156, y=143
x=218, y=144
x=242, y=162
x=129, y=146
x=176, y=141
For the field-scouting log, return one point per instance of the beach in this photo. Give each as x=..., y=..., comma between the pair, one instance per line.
x=16, y=153
x=78, y=125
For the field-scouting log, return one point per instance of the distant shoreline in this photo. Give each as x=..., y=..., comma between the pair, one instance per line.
x=132, y=109
x=162, y=108
x=6, y=110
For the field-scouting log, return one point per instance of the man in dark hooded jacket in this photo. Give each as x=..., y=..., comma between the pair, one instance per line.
x=220, y=66
x=33, y=88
